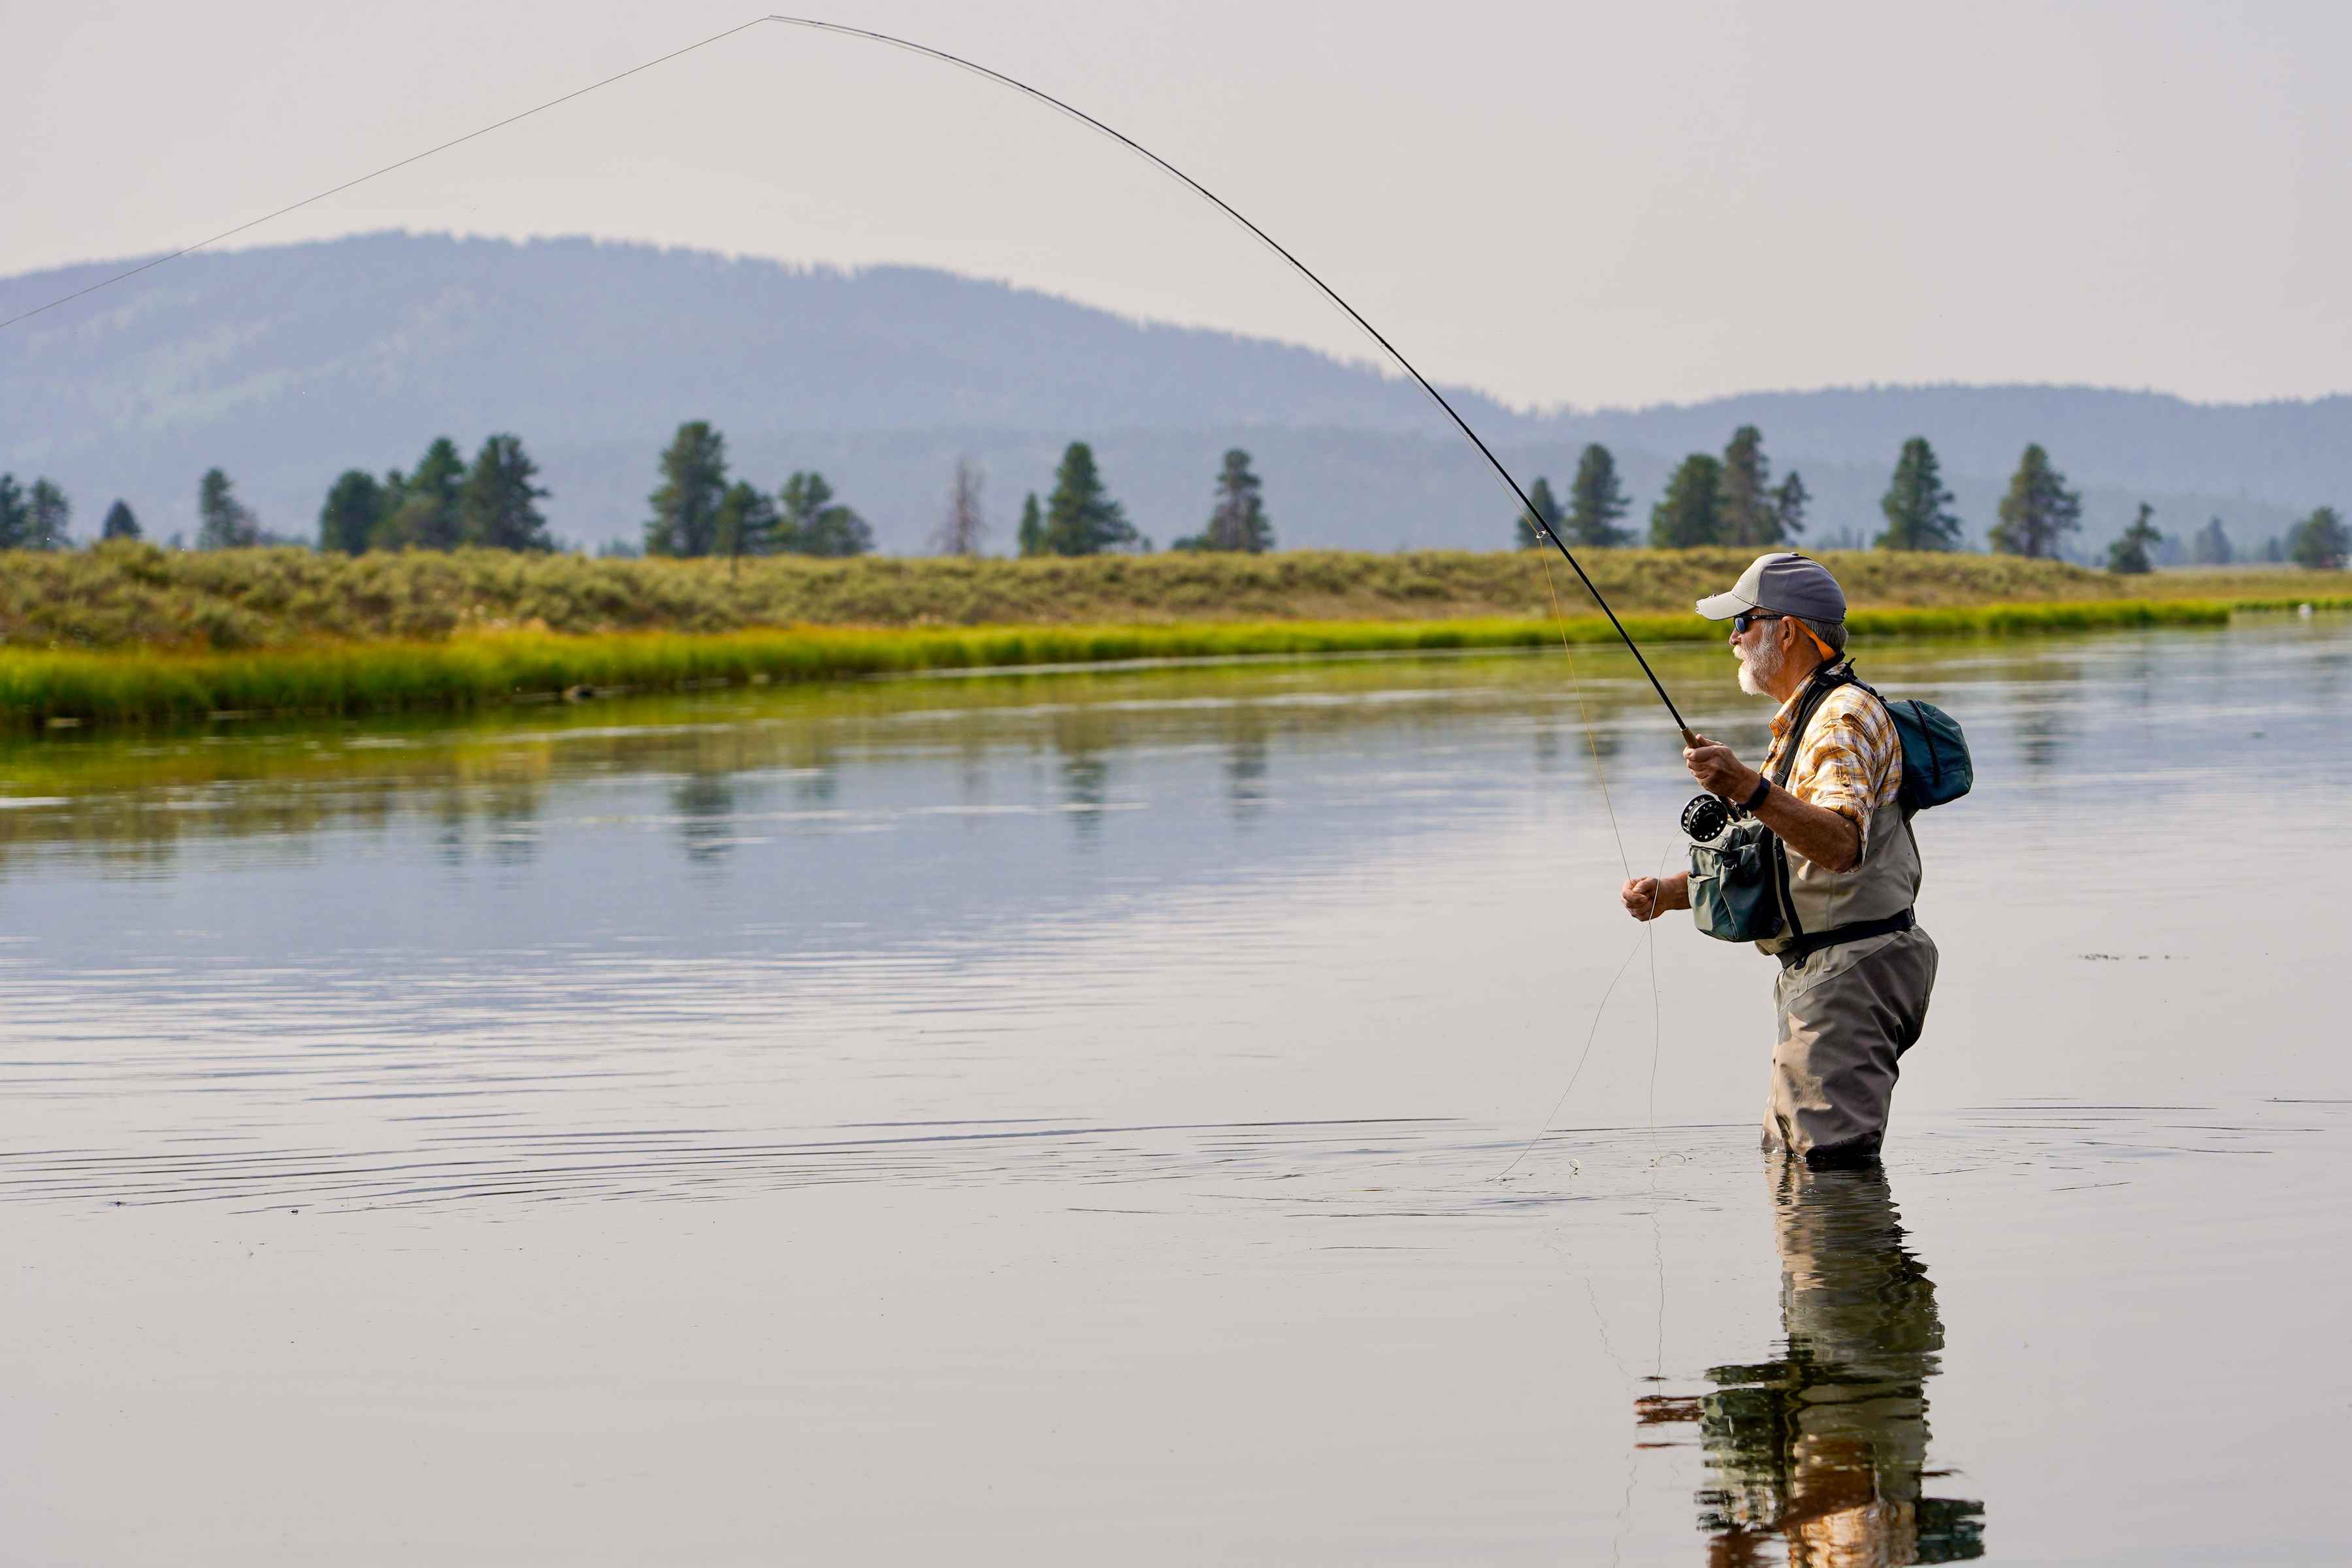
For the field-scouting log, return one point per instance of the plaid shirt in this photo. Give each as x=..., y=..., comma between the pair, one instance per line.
x=1851, y=761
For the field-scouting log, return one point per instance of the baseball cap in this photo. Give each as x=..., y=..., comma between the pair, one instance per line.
x=1783, y=582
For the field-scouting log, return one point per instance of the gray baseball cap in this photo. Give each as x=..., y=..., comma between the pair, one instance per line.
x=1783, y=582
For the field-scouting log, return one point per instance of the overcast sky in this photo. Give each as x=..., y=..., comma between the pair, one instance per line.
x=1563, y=204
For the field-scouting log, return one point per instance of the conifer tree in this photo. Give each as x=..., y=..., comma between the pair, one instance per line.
x=1239, y=521
x=2039, y=510
x=51, y=515
x=1916, y=505
x=2320, y=542
x=425, y=516
x=1547, y=511
x=1596, y=500
x=2129, y=555
x=352, y=514
x=1032, y=535
x=1081, y=519
x=814, y=524
x=963, y=528
x=497, y=506
x=1685, y=515
x=2213, y=547
x=694, y=481
x=224, y=523
x=16, y=517
x=1789, y=504
x=748, y=523
x=1743, y=507
x=120, y=523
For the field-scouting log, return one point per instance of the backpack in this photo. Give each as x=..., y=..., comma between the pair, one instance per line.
x=1935, y=765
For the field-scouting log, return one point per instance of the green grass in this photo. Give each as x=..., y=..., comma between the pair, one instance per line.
x=137, y=596
x=158, y=687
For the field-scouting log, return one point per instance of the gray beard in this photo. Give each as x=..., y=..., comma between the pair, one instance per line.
x=1758, y=667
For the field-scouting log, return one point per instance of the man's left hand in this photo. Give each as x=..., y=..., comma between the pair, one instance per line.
x=1719, y=772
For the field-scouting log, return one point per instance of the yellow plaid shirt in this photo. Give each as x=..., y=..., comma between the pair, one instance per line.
x=1852, y=760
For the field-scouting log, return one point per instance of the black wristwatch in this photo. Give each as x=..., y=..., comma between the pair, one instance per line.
x=1763, y=788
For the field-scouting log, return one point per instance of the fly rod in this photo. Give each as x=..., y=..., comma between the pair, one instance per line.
x=1536, y=521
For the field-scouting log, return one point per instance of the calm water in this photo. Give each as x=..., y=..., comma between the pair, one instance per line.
x=1088, y=1118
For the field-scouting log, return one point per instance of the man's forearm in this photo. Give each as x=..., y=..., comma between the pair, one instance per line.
x=1673, y=892
x=1815, y=832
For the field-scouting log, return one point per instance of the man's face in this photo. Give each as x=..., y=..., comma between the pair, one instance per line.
x=1759, y=654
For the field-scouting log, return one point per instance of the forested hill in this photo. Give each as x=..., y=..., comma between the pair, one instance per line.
x=287, y=365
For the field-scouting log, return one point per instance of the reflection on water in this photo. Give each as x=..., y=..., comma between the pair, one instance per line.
x=1824, y=1448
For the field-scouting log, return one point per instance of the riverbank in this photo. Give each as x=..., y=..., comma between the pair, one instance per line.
x=138, y=597
x=70, y=688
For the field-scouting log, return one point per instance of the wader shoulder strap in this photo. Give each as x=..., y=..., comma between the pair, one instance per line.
x=1818, y=686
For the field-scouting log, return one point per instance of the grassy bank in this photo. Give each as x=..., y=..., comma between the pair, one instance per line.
x=232, y=601
x=43, y=687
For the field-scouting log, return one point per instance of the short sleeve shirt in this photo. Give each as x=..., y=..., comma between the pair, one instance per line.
x=1852, y=760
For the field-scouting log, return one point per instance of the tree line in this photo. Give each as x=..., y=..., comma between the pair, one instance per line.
x=698, y=510
x=1731, y=500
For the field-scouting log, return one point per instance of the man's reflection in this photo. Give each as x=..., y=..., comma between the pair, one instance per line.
x=1826, y=1448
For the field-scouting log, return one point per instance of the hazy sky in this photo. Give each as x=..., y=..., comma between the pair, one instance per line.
x=1602, y=204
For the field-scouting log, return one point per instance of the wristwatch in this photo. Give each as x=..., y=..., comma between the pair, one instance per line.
x=1763, y=788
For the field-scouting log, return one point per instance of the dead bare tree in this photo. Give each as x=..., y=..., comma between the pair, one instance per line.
x=962, y=532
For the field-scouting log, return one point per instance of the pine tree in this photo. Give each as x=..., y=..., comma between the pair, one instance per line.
x=224, y=522
x=498, y=507
x=51, y=515
x=353, y=512
x=963, y=528
x=2129, y=555
x=1239, y=521
x=120, y=523
x=814, y=524
x=1032, y=537
x=16, y=517
x=1080, y=517
x=1916, y=504
x=694, y=481
x=2319, y=542
x=1596, y=500
x=1789, y=504
x=1547, y=511
x=424, y=515
x=2039, y=510
x=1685, y=515
x=2213, y=547
x=748, y=523
x=1743, y=507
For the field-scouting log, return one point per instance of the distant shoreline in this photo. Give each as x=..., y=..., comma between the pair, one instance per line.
x=342, y=638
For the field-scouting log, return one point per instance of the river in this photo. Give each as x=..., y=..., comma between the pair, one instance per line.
x=1139, y=1116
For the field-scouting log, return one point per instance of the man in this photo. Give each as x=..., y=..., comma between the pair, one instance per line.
x=1855, y=972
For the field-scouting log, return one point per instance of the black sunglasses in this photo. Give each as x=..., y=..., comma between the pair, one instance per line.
x=1747, y=618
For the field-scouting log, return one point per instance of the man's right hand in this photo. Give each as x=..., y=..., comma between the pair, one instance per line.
x=1647, y=898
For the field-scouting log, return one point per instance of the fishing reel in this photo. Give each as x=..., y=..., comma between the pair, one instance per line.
x=1707, y=816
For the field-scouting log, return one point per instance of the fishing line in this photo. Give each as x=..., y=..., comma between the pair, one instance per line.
x=363, y=179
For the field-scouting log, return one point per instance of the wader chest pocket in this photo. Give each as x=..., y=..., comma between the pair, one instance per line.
x=1732, y=885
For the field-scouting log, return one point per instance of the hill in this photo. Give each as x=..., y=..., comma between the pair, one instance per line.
x=286, y=365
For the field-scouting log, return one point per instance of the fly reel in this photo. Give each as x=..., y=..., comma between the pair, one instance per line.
x=1707, y=816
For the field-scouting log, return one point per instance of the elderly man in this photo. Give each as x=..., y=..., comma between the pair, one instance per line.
x=1855, y=970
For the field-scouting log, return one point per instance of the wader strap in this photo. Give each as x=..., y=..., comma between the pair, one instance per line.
x=1804, y=947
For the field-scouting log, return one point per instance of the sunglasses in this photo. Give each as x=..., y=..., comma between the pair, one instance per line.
x=1747, y=618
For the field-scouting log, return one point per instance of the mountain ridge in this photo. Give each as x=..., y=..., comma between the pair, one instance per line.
x=287, y=365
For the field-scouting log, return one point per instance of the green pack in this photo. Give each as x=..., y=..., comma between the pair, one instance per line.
x=1734, y=884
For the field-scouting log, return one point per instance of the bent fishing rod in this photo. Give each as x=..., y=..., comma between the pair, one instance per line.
x=1536, y=519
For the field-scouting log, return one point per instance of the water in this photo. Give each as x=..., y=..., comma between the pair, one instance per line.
x=1060, y=1119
